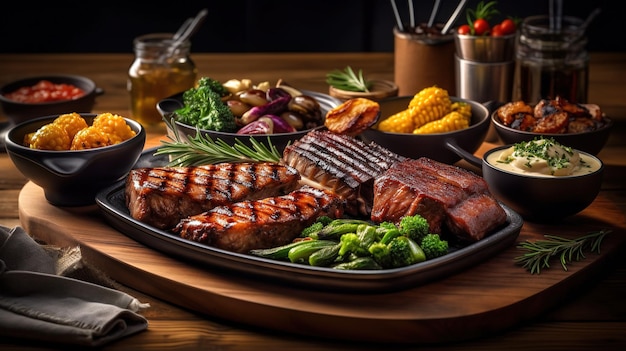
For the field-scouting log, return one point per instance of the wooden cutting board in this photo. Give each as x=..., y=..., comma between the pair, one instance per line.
x=484, y=299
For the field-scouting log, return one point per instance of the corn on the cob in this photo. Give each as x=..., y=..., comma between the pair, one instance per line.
x=427, y=105
x=401, y=122
x=450, y=122
x=430, y=104
x=463, y=108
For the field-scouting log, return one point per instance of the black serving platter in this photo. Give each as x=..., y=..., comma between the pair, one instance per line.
x=112, y=204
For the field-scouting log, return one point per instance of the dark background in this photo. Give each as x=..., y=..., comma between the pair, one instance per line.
x=257, y=25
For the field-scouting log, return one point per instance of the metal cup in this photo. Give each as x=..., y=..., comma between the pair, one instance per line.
x=484, y=81
x=485, y=48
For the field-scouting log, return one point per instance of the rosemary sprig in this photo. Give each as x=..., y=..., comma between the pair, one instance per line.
x=202, y=149
x=348, y=80
x=539, y=253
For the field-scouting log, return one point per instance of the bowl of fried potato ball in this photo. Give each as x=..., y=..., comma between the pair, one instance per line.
x=72, y=156
x=581, y=126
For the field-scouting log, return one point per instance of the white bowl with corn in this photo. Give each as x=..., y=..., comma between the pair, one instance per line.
x=430, y=124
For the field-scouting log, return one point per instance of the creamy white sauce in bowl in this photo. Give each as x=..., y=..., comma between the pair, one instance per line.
x=543, y=158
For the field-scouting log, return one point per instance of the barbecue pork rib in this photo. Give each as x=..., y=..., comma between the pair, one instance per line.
x=162, y=196
x=342, y=164
x=259, y=224
x=452, y=199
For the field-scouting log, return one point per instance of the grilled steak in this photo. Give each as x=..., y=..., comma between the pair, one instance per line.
x=452, y=199
x=341, y=164
x=259, y=224
x=163, y=196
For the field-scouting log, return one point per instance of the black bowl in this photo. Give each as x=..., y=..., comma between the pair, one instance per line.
x=280, y=140
x=441, y=146
x=540, y=198
x=18, y=112
x=73, y=178
x=591, y=142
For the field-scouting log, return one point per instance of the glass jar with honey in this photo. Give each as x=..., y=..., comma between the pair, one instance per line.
x=161, y=68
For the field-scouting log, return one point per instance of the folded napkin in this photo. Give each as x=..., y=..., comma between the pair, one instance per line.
x=38, y=302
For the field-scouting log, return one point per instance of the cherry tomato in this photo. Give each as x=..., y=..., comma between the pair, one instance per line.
x=496, y=31
x=464, y=29
x=508, y=26
x=481, y=26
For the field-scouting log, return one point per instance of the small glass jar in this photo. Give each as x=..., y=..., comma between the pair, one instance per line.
x=551, y=63
x=158, y=71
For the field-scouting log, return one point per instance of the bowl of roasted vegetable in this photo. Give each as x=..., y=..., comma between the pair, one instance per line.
x=72, y=156
x=244, y=112
x=47, y=95
x=430, y=124
x=542, y=179
x=580, y=126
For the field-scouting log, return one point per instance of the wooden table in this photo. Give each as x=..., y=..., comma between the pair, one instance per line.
x=591, y=318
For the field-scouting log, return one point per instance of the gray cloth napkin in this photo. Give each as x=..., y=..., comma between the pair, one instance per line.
x=38, y=304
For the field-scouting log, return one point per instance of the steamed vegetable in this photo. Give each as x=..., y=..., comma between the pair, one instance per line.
x=358, y=244
x=203, y=107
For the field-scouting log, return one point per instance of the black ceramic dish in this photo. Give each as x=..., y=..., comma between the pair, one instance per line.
x=439, y=146
x=462, y=255
x=18, y=112
x=538, y=198
x=167, y=106
x=591, y=142
x=73, y=178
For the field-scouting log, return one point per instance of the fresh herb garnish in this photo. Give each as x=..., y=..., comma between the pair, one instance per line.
x=348, y=80
x=539, y=253
x=202, y=149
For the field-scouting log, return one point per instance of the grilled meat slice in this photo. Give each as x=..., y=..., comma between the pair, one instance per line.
x=342, y=164
x=162, y=196
x=452, y=199
x=259, y=224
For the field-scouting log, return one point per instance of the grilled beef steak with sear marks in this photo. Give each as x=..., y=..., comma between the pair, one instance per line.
x=452, y=199
x=341, y=164
x=259, y=224
x=162, y=196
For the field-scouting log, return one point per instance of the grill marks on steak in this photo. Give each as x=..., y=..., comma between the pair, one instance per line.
x=341, y=164
x=162, y=196
x=452, y=199
x=258, y=224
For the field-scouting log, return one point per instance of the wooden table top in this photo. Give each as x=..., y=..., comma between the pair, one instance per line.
x=594, y=317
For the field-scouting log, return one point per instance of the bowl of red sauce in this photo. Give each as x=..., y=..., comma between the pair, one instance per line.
x=38, y=96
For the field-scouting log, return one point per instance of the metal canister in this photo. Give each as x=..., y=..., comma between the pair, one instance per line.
x=551, y=61
x=160, y=69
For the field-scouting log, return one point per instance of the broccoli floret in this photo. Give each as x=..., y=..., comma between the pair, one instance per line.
x=404, y=251
x=351, y=244
x=414, y=227
x=203, y=107
x=213, y=85
x=312, y=230
x=325, y=220
x=380, y=253
x=433, y=246
x=388, y=235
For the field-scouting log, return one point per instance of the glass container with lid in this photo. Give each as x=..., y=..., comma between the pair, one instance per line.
x=160, y=69
x=551, y=61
